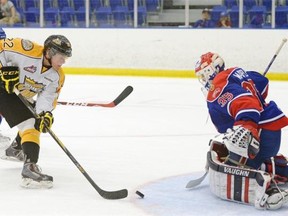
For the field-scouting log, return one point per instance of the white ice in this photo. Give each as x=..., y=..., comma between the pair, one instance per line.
x=155, y=141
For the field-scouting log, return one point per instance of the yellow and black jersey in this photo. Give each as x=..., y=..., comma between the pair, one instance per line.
x=35, y=78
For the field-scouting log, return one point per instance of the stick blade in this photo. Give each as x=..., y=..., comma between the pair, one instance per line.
x=113, y=195
x=196, y=182
x=125, y=93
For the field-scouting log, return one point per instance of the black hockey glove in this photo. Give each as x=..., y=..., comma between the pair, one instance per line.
x=44, y=121
x=9, y=78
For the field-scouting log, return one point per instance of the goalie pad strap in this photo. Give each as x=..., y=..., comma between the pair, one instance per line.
x=234, y=170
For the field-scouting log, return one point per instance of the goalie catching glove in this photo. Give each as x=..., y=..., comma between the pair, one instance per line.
x=9, y=78
x=44, y=121
x=243, y=139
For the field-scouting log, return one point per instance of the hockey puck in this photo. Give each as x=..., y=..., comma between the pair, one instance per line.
x=140, y=194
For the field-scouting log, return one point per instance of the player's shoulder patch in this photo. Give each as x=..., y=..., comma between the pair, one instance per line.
x=217, y=87
x=27, y=45
x=214, y=92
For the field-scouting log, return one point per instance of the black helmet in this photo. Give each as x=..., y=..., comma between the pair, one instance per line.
x=58, y=44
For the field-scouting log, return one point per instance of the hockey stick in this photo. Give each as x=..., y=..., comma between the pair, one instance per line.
x=195, y=182
x=105, y=194
x=284, y=40
x=125, y=93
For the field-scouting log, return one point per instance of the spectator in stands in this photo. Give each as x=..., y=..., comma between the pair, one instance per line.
x=8, y=13
x=224, y=21
x=257, y=21
x=206, y=21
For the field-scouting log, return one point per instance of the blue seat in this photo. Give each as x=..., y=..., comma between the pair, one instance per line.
x=142, y=16
x=281, y=13
x=95, y=4
x=32, y=15
x=230, y=3
x=104, y=17
x=257, y=16
x=77, y=4
x=115, y=3
x=267, y=4
x=64, y=3
x=67, y=17
x=80, y=17
x=152, y=5
x=130, y=4
x=216, y=12
x=47, y=4
x=249, y=4
x=234, y=16
x=30, y=4
x=121, y=17
x=51, y=17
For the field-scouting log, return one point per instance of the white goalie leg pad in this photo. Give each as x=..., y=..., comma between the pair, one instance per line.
x=244, y=185
x=233, y=183
x=238, y=184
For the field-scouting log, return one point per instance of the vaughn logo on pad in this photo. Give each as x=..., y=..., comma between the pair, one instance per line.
x=235, y=171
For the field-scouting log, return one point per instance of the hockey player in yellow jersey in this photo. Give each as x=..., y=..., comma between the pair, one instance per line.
x=36, y=72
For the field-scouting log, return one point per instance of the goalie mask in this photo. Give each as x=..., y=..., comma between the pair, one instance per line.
x=207, y=68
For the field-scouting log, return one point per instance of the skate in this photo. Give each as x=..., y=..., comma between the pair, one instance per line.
x=276, y=198
x=33, y=178
x=12, y=153
x=4, y=142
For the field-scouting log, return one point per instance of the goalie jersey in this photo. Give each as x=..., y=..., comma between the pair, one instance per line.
x=35, y=78
x=239, y=95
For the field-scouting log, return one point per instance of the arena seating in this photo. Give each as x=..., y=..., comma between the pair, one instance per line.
x=281, y=14
x=71, y=13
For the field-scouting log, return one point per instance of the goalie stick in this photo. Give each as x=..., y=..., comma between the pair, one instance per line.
x=111, y=195
x=195, y=182
x=125, y=93
x=284, y=40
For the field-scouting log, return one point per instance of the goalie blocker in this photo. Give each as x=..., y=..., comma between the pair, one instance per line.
x=242, y=185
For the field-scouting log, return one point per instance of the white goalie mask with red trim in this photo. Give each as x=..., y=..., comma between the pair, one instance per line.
x=207, y=68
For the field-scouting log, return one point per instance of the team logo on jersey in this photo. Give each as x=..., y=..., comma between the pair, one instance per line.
x=216, y=92
x=30, y=69
x=27, y=45
x=30, y=87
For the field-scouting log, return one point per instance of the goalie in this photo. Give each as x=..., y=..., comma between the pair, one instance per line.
x=251, y=129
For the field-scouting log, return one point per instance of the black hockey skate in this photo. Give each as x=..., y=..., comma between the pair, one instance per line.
x=33, y=178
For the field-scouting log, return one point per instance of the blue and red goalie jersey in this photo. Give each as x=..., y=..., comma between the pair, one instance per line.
x=237, y=95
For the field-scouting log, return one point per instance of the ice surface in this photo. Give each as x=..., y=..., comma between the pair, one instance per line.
x=155, y=141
